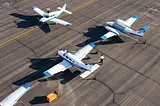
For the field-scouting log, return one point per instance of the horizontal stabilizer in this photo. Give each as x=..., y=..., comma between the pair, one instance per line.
x=87, y=73
x=64, y=10
x=142, y=30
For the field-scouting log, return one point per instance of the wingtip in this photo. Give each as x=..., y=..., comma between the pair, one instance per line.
x=68, y=24
x=92, y=45
x=47, y=74
x=135, y=16
x=26, y=85
x=33, y=7
x=103, y=37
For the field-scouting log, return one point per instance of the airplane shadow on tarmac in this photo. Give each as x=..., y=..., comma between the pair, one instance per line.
x=42, y=65
x=94, y=34
x=39, y=100
x=30, y=21
x=37, y=64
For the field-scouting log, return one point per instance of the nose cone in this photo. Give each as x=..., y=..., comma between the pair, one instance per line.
x=41, y=20
x=61, y=52
x=110, y=23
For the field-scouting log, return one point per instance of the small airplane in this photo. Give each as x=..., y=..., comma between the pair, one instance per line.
x=70, y=60
x=115, y=28
x=52, y=16
x=15, y=96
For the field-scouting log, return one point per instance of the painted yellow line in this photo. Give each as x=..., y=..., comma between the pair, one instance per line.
x=77, y=8
x=29, y=31
x=16, y=37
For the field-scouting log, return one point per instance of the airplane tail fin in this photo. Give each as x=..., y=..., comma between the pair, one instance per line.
x=141, y=31
x=64, y=9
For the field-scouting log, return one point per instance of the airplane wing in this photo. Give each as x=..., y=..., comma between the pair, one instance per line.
x=60, y=22
x=64, y=65
x=15, y=96
x=39, y=11
x=84, y=51
x=108, y=35
x=131, y=20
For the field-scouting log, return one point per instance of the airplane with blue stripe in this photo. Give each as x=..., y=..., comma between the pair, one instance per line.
x=120, y=26
x=52, y=16
x=70, y=60
x=15, y=96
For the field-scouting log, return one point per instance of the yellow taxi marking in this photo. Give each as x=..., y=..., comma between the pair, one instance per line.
x=29, y=31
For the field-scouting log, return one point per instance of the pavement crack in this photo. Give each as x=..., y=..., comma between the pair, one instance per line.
x=128, y=67
x=11, y=88
x=152, y=65
x=114, y=94
x=146, y=77
x=29, y=48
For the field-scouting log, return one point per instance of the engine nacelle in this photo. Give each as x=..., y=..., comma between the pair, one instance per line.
x=117, y=32
x=110, y=24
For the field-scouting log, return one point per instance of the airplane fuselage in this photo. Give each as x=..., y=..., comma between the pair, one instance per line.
x=119, y=26
x=50, y=16
x=72, y=59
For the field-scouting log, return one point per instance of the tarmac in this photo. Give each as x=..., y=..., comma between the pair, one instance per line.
x=130, y=75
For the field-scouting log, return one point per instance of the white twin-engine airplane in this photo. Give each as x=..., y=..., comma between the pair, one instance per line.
x=70, y=60
x=52, y=16
x=15, y=96
x=115, y=28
